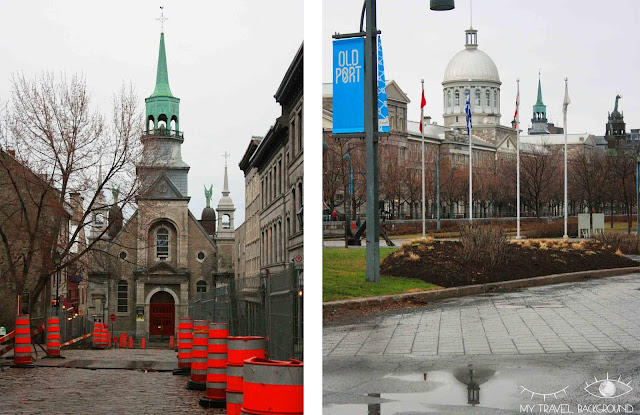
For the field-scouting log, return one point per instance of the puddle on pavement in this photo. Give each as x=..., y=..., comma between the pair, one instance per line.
x=464, y=389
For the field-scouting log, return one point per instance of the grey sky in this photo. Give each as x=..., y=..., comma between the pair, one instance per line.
x=593, y=43
x=225, y=60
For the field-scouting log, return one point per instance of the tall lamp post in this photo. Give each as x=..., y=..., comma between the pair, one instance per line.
x=57, y=260
x=371, y=131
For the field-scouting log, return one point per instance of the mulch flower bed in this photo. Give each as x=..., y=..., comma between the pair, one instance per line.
x=443, y=262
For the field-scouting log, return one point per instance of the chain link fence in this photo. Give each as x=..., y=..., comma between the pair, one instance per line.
x=268, y=305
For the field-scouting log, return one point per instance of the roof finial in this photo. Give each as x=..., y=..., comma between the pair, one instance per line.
x=226, y=156
x=162, y=19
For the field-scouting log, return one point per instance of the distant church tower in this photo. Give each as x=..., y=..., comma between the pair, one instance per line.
x=225, y=209
x=539, y=120
x=615, y=130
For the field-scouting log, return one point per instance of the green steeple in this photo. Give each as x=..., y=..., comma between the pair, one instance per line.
x=162, y=107
x=162, y=77
x=540, y=110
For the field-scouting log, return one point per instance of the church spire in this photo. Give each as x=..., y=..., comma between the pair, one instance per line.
x=225, y=191
x=162, y=76
x=539, y=101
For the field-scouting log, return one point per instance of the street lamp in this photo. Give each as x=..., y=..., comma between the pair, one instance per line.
x=57, y=260
x=371, y=131
x=453, y=167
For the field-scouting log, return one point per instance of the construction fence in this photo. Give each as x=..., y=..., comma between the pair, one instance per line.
x=268, y=305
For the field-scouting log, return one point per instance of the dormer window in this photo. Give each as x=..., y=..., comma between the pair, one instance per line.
x=162, y=243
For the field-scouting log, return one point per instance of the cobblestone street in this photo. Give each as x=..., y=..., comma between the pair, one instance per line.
x=591, y=316
x=114, y=391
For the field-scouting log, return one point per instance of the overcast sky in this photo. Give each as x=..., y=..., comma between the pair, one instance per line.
x=592, y=42
x=225, y=59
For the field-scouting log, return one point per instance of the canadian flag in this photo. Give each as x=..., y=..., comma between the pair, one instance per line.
x=422, y=105
x=515, y=116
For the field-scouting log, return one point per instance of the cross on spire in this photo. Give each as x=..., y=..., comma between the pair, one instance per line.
x=162, y=19
x=226, y=156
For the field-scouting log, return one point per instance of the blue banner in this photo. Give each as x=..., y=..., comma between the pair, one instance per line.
x=383, y=110
x=348, y=85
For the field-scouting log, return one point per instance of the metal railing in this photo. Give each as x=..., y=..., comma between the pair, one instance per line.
x=264, y=305
x=162, y=132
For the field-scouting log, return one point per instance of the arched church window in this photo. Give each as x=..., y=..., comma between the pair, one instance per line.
x=150, y=123
x=478, y=98
x=123, y=296
x=457, y=101
x=162, y=243
x=162, y=121
x=448, y=98
x=488, y=96
x=226, y=222
x=201, y=287
x=174, y=123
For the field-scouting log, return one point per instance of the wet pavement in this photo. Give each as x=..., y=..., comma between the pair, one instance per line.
x=532, y=351
x=591, y=316
x=77, y=390
x=482, y=384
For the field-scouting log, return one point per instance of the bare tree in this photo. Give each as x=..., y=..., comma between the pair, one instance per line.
x=540, y=170
x=59, y=141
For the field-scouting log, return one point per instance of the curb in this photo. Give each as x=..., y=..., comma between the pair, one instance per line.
x=435, y=295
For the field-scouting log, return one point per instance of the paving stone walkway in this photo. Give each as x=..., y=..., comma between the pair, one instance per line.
x=592, y=316
x=62, y=390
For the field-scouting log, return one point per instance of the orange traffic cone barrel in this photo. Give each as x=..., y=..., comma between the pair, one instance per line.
x=130, y=342
x=185, y=345
x=234, y=377
x=216, y=366
x=272, y=387
x=234, y=402
x=199, y=356
x=53, y=338
x=97, y=335
x=240, y=348
x=105, y=336
x=171, y=343
x=22, y=352
x=143, y=343
x=123, y=340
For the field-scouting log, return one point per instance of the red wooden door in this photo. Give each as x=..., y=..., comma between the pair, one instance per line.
x=162, y=314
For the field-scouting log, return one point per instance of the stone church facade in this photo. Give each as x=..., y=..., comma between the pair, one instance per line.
x=147, y=269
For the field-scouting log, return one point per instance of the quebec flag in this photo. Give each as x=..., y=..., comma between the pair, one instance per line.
x=383, y=110
x=468, y=111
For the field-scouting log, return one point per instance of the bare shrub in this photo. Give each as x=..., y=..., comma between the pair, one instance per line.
x=484, y=243
x=626, y=243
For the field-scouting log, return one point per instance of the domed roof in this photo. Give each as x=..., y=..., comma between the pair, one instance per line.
x=471, y=63
x=208, y=214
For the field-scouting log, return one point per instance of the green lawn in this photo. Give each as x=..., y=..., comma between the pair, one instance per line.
x=343, y=273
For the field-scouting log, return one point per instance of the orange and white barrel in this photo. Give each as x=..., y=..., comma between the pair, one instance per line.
x=123, y=340
x=185, y=342
x=171, y=342
x=234, y=402
x=240, y=348
x=234, y=377
x=130, y=342
x=105, y=336
x=97, y=335
x=199, y=355
x=143, y=343
x=216, y=366
x=22, y=339
x=272, y=387
x=53, y=337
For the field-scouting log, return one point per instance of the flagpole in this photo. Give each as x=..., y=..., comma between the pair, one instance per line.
x=518, y=156
x=565, y=105
x=423, y=186
x=469, y=125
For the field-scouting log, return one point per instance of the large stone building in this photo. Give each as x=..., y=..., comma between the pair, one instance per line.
x=147, y=269
x=273, y=170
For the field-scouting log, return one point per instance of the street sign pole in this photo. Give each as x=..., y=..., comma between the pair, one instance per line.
x=370, y=130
